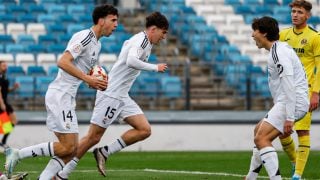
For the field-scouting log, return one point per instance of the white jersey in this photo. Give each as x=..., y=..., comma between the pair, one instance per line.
x=84, y=47
x=132, y=59
x=284, y=63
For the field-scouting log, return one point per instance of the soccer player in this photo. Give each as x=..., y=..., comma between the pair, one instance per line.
x=115, y=103
x=4, y=104
x=306, y=43
x=79, y=57
x=289, y=89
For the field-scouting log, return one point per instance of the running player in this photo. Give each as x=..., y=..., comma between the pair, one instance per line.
x=115, y=103
x=79, y=57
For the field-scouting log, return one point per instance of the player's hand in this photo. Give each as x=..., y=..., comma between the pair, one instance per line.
x=96, y=83
x=162, y=67
x=287, y=128
x=314, y=101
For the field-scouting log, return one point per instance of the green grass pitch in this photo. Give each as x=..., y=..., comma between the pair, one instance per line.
x=171, y=166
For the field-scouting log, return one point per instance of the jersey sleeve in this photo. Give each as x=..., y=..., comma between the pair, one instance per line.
x=284, y=65
x=78, y=43
x=136, y=57
x=316, y=50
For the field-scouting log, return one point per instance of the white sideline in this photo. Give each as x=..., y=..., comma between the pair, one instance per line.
x=169, y=171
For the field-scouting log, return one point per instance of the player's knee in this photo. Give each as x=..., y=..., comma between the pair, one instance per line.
x=70, y=150
x=95, y=140
x=258, y=141
x=145, y=133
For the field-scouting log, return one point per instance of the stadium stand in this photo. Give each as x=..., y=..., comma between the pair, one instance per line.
x=202, y=33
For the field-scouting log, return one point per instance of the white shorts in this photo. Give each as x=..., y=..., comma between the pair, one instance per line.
x=61, y=116
x=108, y=109
x=277, y=116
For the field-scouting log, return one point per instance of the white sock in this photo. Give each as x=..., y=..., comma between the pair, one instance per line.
x=255, y=165
x=43, y=149
x=54, y=165
x=68, y=168
x=116, y=146
x=270, y=161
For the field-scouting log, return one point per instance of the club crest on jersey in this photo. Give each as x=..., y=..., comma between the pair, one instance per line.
x=76, y=48
x=304, y=41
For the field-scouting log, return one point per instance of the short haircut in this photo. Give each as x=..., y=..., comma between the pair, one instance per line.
x=301, y=3
x=157, y=19
x=102, y=11
x=267, y=25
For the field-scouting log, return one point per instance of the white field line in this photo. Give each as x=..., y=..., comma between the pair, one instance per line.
x=167, y=171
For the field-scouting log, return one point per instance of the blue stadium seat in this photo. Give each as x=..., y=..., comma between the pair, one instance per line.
x=7, y=18
x=229, y=49
x=48, y=19
x=86, y=20
x=47, y=40
x=171, y=87
x=281, y=10
x=56, y=30
x=85, y=91
x=152, y=59
x=35, y=9
x=56, y=48
x=262, y=86
x=67, y=20
x=273, y=3
x=2, y=48
x=36, y=71
x=16, y=10
x=48, y=3
x=232, y=2
x=14, y=48
x=262, y=11
x=15, y=71
x=35, y=49
x=27, y=3
x=3, y=9
x=26, y=89
x=251, y=2
x=27, y=18
x=53, y=71
x=6, y=39
x=64, y=39
x=149, y=86
x=57, y=10
x=286, y=2
x=25, y=39
x=76, y=10
x=73, y=28
x=41, y=84
x=8, y=2
x=243, y=9
x=135, y=89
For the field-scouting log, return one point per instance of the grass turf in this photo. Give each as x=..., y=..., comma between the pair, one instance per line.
x=170, y=166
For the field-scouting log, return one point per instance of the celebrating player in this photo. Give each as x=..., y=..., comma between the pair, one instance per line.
x=79, y=57
x=289, y=89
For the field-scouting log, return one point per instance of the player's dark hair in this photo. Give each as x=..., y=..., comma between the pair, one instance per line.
x=267, y=25
x=102, y=11
x=157, y=19
x=301, y=3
